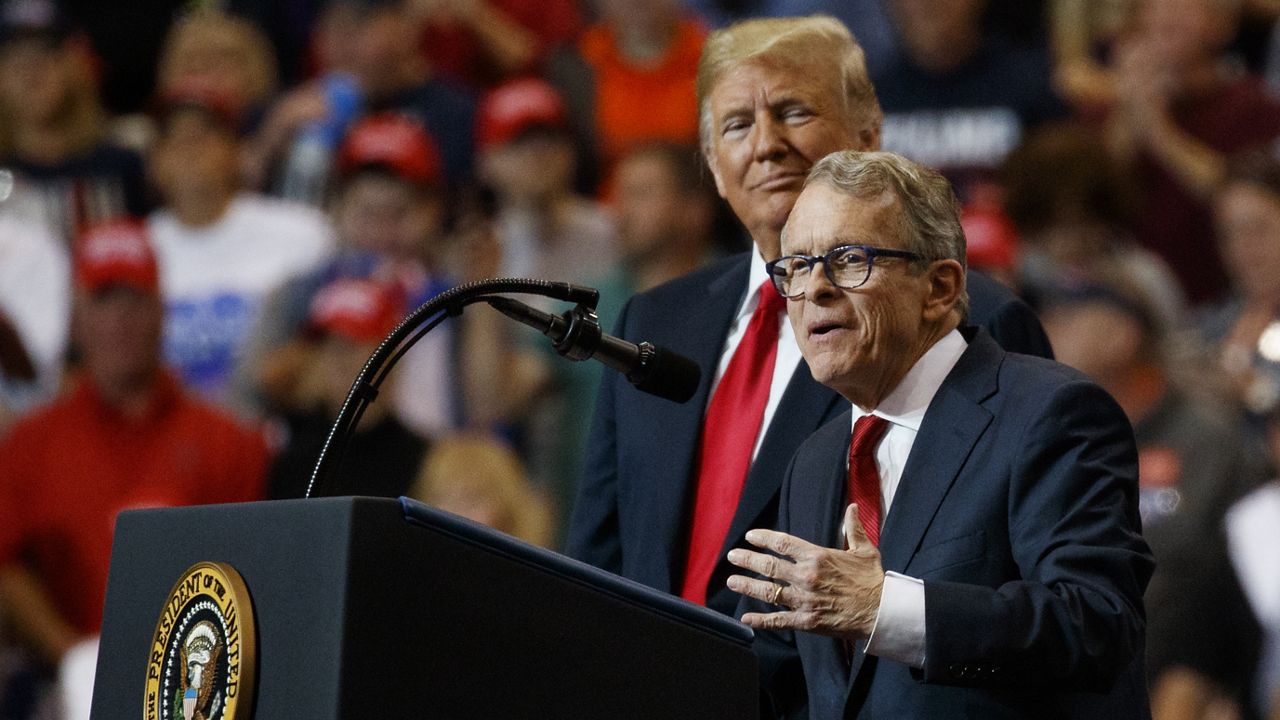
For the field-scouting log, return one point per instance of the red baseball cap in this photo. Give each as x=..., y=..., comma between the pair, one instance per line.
x=991, y=240
x=116, y=252
x=516, y=106
x=357, y=309
x=394, y=142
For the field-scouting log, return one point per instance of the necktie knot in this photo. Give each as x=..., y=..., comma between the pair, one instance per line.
x=867, y=432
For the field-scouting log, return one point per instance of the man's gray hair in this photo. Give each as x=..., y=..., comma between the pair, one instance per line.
x=930, y=212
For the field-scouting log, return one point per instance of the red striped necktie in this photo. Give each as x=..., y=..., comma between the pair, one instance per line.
x=864, y=475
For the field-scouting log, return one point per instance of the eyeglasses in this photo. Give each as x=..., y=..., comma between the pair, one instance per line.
x=848, y=267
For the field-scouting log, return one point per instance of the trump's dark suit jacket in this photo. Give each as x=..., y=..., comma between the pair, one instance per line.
x=631, y=516
x=1018, y=509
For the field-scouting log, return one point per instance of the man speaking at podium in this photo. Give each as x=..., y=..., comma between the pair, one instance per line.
x=964, y=540
x=668, y=489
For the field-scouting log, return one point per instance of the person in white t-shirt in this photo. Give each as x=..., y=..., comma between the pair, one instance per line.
x=221, y=250
x=35, y=305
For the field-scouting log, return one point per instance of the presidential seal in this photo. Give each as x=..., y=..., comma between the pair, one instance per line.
x=202, y=655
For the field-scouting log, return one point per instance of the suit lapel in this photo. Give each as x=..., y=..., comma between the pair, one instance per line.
x=700, y=335
x=952, y=426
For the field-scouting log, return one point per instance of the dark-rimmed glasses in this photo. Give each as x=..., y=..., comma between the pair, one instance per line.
x=847, y=267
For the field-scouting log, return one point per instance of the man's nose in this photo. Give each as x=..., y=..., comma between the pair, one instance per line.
x=770, y=139
x=818, y=286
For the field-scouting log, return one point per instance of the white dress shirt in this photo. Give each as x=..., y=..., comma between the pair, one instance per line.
x=788, y=357
x=899, y=630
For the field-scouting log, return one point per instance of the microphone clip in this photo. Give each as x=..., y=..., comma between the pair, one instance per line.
x=582, y=333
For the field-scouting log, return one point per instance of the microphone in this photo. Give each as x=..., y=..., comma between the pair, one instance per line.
x=576, y=335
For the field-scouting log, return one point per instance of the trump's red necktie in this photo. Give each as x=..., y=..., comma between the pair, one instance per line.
x=864, y=476
x=729, y=434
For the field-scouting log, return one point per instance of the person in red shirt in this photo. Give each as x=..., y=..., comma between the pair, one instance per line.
x=124, y=435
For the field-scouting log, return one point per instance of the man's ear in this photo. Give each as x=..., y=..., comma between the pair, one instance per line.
x=946, y=280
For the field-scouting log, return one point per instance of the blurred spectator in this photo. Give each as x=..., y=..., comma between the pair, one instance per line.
x=52, y=128
x=665, y=207
x=1181, y=109
x=394, y=76
x=480, y=479
x=1244, y=330
x=1252, y=536
x=125, y=436
x=1195, y=456
x=991, y=240
x=642, y=54
x=388, y=210
x=35, y=308
x=348, y=318
x=956, y=100
x=527, y=157
x=291, y=153
x=540, y=229
x=1072, y=204
x=221, y=250
x=1218, y=652
x=1203, y=641
x=482, y=43
x=221, y=55
x=1083, y=33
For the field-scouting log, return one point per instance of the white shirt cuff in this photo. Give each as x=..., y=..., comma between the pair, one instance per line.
x=898, y=633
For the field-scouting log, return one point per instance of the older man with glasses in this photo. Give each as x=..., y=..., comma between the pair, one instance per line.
x=963, y=540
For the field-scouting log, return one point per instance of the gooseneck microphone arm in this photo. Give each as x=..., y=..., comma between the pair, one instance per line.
x=576, y=335
x=417, y=324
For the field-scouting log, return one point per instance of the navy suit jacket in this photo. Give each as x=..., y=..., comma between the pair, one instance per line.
x=631, y=516
x=1018, y=509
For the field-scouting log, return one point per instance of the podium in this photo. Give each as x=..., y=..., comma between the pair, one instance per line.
x=380, y=608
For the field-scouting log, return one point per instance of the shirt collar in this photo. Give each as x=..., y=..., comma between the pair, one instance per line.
x=756, y=276
x=907, y=403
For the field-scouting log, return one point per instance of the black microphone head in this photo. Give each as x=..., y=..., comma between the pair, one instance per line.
x=671, y=376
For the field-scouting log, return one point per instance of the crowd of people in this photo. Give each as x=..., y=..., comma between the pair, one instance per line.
x=200, y=247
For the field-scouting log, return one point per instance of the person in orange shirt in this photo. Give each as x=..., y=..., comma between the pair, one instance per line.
x=641, y=54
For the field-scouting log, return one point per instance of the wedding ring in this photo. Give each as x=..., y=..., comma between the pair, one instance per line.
x=777, y=593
